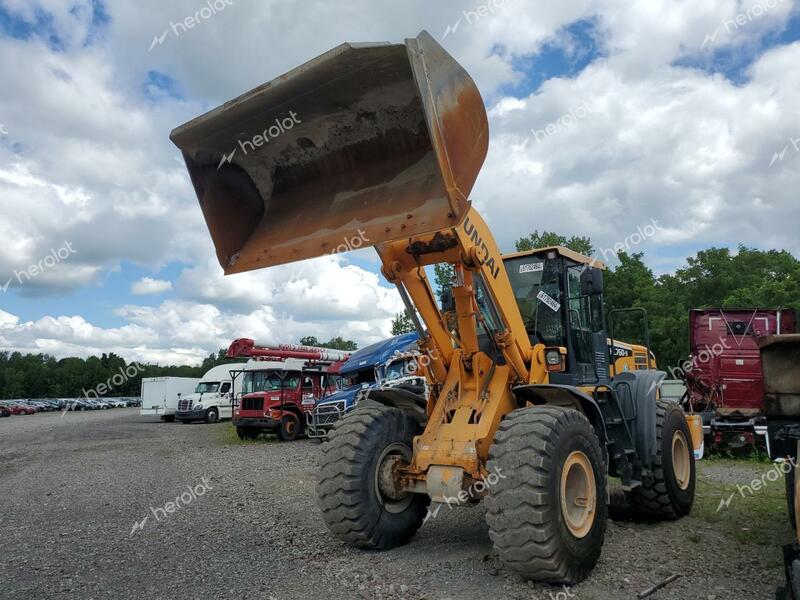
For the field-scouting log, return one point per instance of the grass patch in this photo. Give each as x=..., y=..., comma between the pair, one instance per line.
x=228, y=437
x=758, y=518
x=753, y=455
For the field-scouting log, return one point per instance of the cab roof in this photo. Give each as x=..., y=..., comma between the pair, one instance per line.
x=563, y=252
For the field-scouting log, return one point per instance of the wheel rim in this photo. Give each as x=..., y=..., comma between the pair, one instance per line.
x=391, y=499
x=578, y=494
x=291, y=426
x=681, y=461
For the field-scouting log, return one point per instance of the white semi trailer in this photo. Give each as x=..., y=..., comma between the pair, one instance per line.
x=160, y=395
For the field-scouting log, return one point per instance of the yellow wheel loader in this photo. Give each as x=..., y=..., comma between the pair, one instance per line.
x=528, y=409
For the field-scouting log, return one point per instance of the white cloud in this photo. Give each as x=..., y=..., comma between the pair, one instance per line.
x=147, y=285
x=88, y=159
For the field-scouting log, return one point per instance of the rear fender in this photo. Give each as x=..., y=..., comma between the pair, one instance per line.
x=643, y=387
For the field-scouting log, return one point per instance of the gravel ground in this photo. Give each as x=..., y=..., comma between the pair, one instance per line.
x=73, y=487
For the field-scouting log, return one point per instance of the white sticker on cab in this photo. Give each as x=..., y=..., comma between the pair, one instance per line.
x=550, y=302
x=531, y=268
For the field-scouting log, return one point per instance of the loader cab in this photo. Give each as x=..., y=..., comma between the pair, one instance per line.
x=560, y=297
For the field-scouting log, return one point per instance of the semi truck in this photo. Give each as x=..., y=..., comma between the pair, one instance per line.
x=160, y=395
x=212, y=399
x=389, y=363
x=724, y=378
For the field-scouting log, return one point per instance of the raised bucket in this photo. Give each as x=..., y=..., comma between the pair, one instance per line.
x=377, y=142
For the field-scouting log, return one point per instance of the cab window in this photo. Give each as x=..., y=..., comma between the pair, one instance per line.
x=537, y=288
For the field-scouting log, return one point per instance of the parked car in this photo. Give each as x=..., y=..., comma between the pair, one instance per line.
x=4, y=412
x=20, y=409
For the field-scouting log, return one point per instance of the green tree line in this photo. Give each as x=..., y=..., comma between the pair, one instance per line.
x=43, y=376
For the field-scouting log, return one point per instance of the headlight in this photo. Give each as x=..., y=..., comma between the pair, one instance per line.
x=198, y=407
x=553, y=358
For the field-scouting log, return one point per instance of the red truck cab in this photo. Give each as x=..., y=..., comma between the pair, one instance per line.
x=723, y=379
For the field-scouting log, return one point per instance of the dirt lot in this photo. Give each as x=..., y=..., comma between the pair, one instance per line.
x=72, y=488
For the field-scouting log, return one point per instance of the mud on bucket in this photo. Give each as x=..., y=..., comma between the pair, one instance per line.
x=371, y=141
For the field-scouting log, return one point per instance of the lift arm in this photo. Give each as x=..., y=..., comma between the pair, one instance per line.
x=384, y=146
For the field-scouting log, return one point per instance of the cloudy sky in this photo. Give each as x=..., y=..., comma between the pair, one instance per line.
x=605, y=115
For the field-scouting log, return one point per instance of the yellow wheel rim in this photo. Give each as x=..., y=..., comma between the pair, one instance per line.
x=578, y=494
x=681, y=460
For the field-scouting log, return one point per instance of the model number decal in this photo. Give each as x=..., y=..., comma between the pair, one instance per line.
x=531, y=268
x=550, y=302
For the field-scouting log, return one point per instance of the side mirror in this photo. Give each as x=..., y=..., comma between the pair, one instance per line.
x=591, y=282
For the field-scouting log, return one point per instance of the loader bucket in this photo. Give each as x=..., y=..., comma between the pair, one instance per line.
x=366, y=144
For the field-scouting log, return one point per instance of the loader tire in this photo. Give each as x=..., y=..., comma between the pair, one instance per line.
x=546, y=509
x=356, y=506
x=669, y=493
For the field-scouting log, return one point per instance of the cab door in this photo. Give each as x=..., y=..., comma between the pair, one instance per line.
x=225, y=400
x=309, y=391
x=587, y=336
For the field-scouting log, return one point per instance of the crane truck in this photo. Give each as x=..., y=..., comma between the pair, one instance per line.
x=390, y=142
x=279, y=394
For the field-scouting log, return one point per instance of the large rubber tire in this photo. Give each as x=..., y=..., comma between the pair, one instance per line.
x=169, y=418
x=524, y=510
x=790, y=498
x=661, y=496
x=290, y=428
x=352, y=505
x=212, y=415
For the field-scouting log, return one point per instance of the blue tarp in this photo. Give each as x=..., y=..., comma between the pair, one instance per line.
x=369, y=358
x=379, y=353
